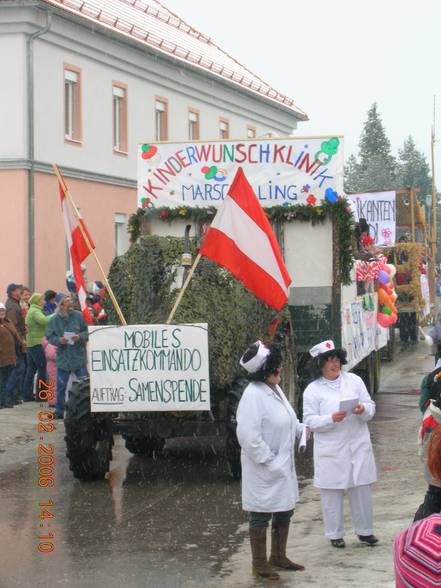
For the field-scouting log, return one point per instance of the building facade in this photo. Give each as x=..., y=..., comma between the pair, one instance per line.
x=83, y=83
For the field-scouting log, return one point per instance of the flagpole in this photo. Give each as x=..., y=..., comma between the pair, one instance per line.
x=184, y=287
x=91, y=249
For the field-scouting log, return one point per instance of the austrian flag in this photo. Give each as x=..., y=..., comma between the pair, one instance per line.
x=78, y=248
x=241, y=239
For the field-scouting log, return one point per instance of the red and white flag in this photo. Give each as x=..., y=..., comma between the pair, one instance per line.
x=241, y=239
x=78, y=248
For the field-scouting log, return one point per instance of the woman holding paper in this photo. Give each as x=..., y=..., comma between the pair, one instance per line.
x=337, y=407
x=267, y=427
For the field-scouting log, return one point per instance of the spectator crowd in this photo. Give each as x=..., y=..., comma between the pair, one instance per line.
x=43, y=342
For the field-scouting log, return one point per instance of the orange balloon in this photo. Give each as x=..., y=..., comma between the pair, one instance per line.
x=386, y=289
x=383, y=297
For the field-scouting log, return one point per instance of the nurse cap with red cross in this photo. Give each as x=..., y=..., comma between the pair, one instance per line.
x=322, y=347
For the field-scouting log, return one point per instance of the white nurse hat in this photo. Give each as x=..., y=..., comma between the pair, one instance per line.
x=255, y=356
x=322, y=347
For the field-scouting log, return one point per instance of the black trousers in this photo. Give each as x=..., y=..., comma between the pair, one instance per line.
x=408, y=327
x=431, y=504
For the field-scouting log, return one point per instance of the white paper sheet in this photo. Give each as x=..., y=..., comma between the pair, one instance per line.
x=348, y=404
x=69, y=335
x=303, y=440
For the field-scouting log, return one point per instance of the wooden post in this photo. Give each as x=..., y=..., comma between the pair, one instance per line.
x=434, y=210
x=412, y=212
x=91, y=249
x=184, y=287
x=335, y=333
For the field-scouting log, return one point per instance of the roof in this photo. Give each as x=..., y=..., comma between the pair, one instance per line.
x=151, y=24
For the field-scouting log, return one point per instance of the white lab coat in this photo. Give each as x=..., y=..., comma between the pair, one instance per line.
x=267, y=427
x=343, y=456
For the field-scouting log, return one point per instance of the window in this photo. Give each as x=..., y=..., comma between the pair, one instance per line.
x=193, y=125
x=120, y=142
x=121, y=233
x=161, y=114
x=251, y=132
x=72, y=103
x=224, y=129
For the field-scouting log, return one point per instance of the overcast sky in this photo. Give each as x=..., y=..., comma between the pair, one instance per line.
x=336, y=57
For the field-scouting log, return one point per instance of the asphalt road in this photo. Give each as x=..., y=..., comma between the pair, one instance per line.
x=176, y=521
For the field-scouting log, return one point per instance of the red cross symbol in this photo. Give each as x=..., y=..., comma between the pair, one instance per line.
x=328, y=345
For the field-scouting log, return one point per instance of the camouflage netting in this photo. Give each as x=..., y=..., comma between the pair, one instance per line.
x=142, y=279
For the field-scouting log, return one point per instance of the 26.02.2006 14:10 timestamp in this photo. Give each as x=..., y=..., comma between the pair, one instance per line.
x=46, y=460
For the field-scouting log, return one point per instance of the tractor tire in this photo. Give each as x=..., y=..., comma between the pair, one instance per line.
x=89, y=437
x=147, y=446
x=232, y=447
x=232, y=452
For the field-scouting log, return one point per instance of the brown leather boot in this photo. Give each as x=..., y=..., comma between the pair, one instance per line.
x=278, y=559
x=261, y=567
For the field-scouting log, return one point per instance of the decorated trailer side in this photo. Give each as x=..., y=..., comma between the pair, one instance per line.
x=324, y=302
x=180, y=188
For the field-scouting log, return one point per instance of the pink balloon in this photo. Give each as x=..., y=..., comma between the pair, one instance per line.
x=385, y=320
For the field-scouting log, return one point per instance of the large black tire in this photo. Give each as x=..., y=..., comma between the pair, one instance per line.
x=144, y=445
x=232, y=447
x=89, y=436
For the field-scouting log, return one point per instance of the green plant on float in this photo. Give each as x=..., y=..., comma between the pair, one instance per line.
x=142, y=281
x=339, y=211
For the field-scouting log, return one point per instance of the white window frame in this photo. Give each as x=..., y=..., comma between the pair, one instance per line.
x=119, y=95
x=224, y=128
x=193, y=125
x=70, y=79
x=161, y=123
x=121, y=223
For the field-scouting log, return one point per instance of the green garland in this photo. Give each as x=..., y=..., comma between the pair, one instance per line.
x=339, y=211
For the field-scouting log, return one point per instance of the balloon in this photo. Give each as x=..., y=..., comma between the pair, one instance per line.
x=392, y=269
x=387, y=289
x=383, y=277
x=386, y=310
x=385, y=320
x=331, y=195
x=383, y=298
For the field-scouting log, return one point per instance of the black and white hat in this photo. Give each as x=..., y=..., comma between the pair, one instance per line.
x=254, y=357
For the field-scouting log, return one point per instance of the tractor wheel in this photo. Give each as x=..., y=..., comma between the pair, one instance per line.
x=232, y=447
x=144, y=445
x=232, y=451
x=89, y=436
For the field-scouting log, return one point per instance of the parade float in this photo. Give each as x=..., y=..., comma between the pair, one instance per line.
x=299, y=184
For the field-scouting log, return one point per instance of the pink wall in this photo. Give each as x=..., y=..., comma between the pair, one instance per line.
x=98, y=203
x=14, y=228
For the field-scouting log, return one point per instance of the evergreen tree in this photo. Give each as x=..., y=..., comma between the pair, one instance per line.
x=351, y=174
x=413, y=169
x=377, y=167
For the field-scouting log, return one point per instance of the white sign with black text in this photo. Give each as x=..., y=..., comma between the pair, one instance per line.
x=379, y=210
x=149, y=368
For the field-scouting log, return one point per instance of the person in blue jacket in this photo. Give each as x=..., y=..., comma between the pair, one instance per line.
x=67, y=330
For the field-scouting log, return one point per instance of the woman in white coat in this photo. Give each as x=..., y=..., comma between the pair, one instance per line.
x=267, y=427
x=343, y=456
